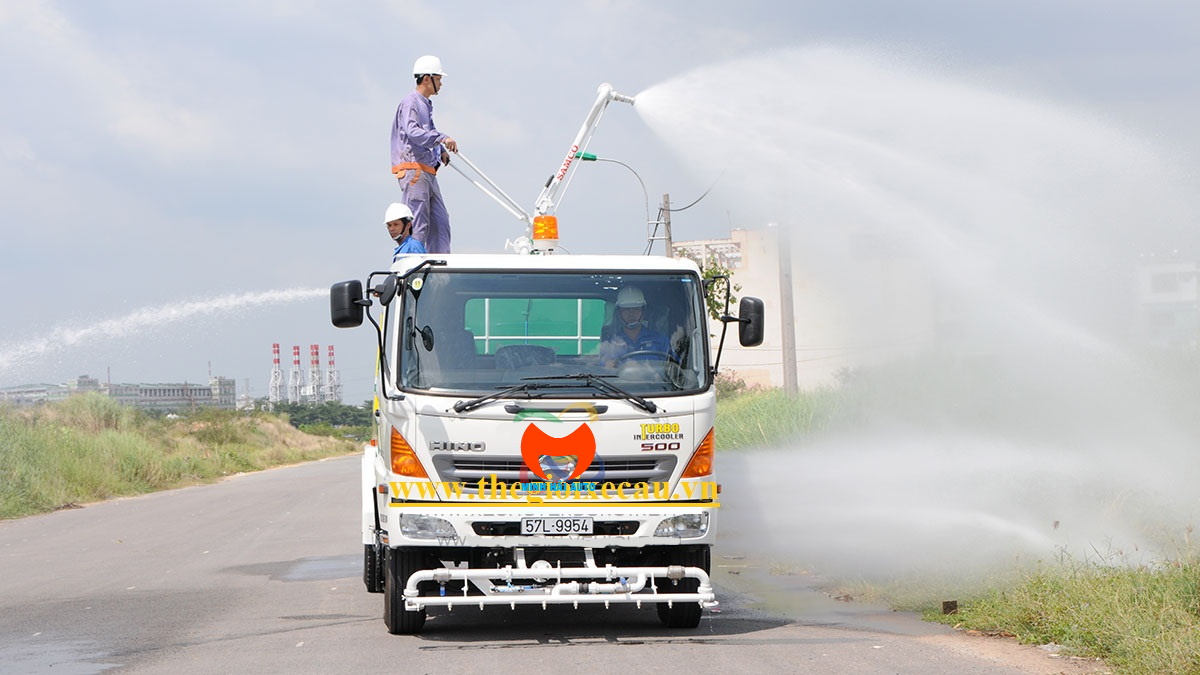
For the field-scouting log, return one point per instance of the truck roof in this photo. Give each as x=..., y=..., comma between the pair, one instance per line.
x=512, y=261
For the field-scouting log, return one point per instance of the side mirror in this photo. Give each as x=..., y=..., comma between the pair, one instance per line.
x=345, y=306
x=387, y=290
x=750, y=322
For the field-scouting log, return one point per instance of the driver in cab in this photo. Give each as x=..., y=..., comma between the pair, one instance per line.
x=632, y=333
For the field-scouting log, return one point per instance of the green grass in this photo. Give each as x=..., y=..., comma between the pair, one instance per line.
x=766, y=417
x=89, y=448
x=1138, y=619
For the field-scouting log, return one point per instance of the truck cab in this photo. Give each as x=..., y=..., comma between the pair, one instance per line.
x=539, y=441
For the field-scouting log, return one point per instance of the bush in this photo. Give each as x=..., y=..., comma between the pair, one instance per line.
x=728, y=384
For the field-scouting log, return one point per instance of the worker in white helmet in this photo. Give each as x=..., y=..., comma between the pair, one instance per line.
x=631, y=336
x=418, y=149
x=399, y=219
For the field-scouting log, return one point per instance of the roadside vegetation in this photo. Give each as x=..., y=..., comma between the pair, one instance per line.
x=1137, y=618
x=755, y=417
x=336, y=420
x=89, y=448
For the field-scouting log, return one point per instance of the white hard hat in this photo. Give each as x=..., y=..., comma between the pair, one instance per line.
x=630, y=297
x=396, y=212
x=428, y=65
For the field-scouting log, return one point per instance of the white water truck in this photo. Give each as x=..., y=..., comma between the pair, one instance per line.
x=528, y=450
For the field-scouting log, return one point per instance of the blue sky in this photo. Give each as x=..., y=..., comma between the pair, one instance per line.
x=153, y=154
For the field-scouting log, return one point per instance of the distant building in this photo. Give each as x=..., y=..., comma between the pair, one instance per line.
x=893, y=312
x=83, y=384
x=34, y=394
x=220, y=392
x=1169, y=302
x=725, y=252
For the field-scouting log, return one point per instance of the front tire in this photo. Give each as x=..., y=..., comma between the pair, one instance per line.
x=685, y=614
x=399, y=564
x=373, y=568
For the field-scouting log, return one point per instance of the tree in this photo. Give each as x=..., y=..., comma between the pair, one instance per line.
x=331, y=413
x=718, y=281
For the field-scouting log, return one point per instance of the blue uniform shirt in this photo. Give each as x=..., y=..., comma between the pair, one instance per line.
x=648, y=340
x=408, y=246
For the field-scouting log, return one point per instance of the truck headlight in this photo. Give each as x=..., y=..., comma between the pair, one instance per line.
x=426, y=527
x=687, y=526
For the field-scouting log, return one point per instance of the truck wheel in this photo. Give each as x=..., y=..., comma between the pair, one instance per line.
x=373, y=568
x=399, y=564
x=684, y=614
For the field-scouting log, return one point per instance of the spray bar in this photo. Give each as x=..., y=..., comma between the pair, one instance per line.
x=500, y=196
x=623, y=587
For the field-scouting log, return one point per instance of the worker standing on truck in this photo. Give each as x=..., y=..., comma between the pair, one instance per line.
x=418, y=149
x=399, y=219
x=631, y=331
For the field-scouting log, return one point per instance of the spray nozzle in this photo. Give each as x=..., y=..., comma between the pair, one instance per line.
x=607, y=91
x=585, y=156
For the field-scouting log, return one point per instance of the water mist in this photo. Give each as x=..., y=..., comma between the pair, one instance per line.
x=1023, y=416
x=16, y=356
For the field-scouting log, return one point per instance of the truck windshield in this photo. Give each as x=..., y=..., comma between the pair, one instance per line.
x=479, y=332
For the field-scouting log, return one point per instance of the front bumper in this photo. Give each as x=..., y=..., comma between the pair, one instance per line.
x=500, y=526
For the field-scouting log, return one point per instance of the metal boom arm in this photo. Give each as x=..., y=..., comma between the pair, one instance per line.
x=550, y=196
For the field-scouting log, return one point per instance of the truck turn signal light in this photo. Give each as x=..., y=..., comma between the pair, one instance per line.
x=701, y=463
x=404, y=459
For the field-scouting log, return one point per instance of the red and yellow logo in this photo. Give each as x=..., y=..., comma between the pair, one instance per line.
x=571, y=455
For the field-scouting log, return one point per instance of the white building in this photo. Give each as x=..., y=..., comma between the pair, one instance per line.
x=877, y=305
x=220, y=392
x=1169, y=302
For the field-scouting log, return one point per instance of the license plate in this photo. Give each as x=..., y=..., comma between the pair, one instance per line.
x=573, y=525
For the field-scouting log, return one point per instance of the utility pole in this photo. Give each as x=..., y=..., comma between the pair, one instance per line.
x=787, y=319
x=666, y=210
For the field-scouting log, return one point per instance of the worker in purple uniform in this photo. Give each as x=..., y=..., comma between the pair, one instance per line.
x=418, y=149
x=399, y=219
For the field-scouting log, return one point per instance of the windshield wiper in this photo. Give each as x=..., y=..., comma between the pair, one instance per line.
x=600, y=383
x=463, y=406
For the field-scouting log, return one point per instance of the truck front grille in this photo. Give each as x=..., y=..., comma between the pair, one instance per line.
x=470, y=470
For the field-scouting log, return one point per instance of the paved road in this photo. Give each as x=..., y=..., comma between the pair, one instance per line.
x=261, y=573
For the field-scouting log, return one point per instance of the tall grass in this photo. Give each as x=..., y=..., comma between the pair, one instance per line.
x=90, y=448
x=1138, y=619
x=765, y=417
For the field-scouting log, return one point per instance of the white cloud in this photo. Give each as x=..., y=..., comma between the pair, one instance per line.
x=105, y=98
